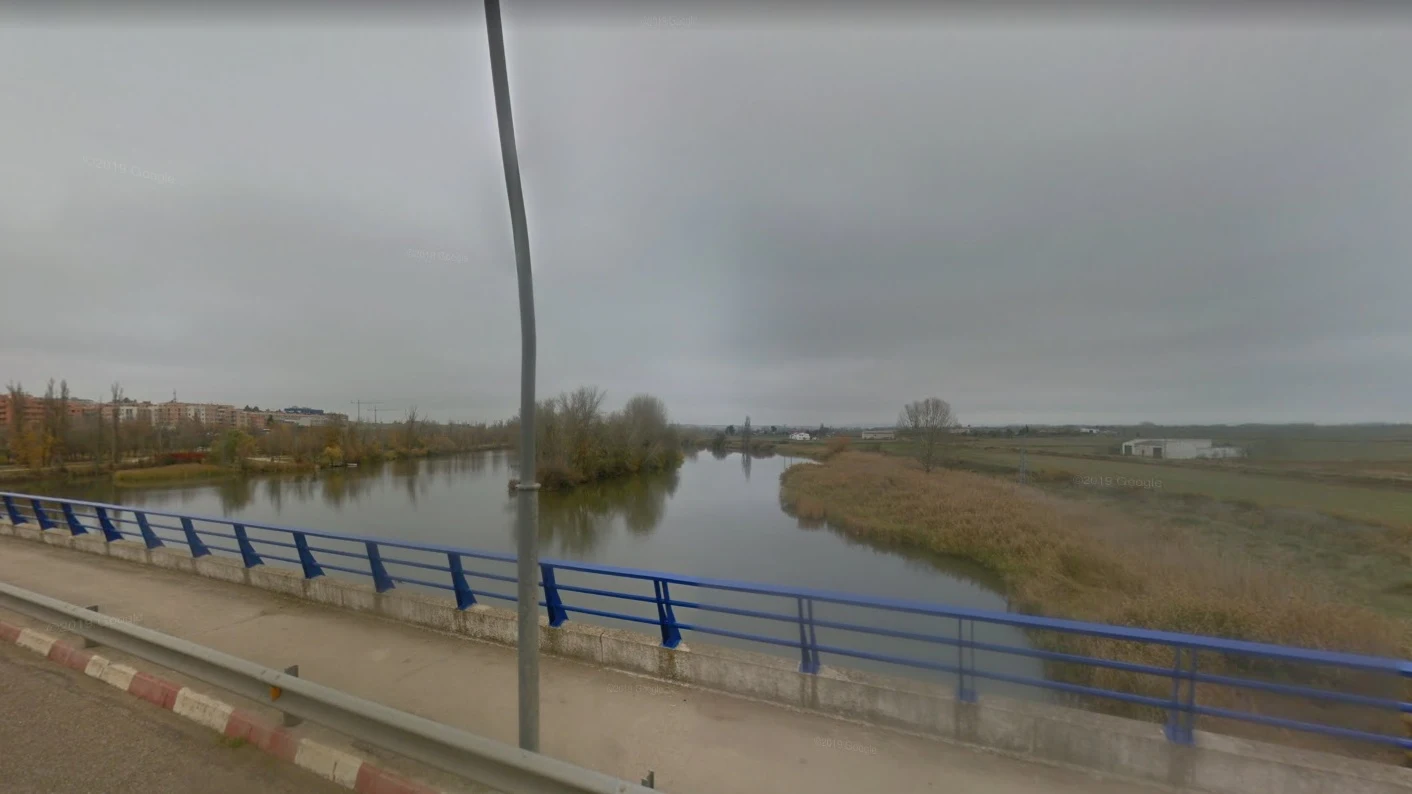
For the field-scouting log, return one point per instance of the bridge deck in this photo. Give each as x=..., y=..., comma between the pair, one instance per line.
x=695, y=740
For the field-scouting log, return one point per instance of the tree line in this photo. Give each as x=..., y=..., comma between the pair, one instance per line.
x=58, y=437
x=576, y=440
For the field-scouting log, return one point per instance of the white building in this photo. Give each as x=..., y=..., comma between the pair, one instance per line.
x=800, y=437
x=879, y=435
x=1179, y=448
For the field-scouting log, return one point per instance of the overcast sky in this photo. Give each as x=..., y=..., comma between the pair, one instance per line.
x=790, y=216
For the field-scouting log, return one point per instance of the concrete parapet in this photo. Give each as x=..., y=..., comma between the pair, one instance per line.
x=129, y=550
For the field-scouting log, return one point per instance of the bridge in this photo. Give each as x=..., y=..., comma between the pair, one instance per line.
x=633, y=681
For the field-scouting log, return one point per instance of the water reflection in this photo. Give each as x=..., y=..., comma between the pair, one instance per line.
x=237, y=493
x=342, y=486
x=706, y=519
x=274, y=494
x=574, y=523
x=409, y=475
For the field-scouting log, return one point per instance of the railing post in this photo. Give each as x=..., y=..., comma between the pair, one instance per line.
x=312, y=569
x=75, y=526
x=110, y=532
x=198, y=549
x=1178, y=728
x=813, y=641
x=15, y=517
x=666, y=617
x=41, y=516
x=72, y=519
x=552, y=603
x=1191, y=699
x=965, y=690
x=247, y=551
x=465, y=599
x=148, y=536
x=809, y=662
x=381, y=581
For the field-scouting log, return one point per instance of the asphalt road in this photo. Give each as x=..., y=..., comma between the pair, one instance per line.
x=63, y=732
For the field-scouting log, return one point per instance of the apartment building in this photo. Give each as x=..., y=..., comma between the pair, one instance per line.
x=255, y=421
x=127, y=412
x=34, y=408
x=172, y=413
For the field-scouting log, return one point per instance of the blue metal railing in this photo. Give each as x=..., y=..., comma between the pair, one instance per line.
x=392, y=562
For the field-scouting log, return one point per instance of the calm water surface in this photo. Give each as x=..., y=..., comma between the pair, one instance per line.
x=715, y=517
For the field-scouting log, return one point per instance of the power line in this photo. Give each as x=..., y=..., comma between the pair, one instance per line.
x=361, y=403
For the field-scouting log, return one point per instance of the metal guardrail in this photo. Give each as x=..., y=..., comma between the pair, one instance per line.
x=314, y=551
x=473, y=757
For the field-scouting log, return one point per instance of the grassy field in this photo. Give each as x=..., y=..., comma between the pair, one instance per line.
x=1088, y=560
x=176, y=473
x=1365, y=565
x=1354, y=535
x=764, y=445
x=1364, y=491
x=1067, y=557
x=1370, y=504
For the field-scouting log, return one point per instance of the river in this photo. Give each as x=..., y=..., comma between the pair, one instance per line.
x=717, y=516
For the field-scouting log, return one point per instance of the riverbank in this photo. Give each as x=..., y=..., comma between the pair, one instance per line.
x=1354, y=537
x=765, y=447
x=204, y=472
x=146, y=472
x=18, y=474
x=1068, y=559
x=175, y=473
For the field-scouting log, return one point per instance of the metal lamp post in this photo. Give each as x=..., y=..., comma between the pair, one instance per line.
x=527, y=496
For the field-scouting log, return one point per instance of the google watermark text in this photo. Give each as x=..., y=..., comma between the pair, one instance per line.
x=131, y=170
x=1117, y=482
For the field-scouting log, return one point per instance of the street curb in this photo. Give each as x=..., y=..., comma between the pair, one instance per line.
x=330, y=763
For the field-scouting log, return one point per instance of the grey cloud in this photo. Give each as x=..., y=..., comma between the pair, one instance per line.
x=812, y=222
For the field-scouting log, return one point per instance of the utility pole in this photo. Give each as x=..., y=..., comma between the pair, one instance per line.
x=361, y=403
x=527, y=499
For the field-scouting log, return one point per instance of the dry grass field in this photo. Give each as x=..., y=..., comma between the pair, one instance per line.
x=1067, y=558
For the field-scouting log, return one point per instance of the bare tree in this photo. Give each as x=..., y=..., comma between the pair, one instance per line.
x=49, y=433
x=580, y=412
x=62, y=424
x=929, y=421
x=117, y=389
x=98, y=436
x=19, y=451
x=411, y=428
x=745, y=437
x=17, y=409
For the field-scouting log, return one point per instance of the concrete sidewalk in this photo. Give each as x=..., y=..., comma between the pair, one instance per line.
x=695, y=740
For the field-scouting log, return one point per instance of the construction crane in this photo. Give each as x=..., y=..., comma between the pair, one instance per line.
x=360, y=403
